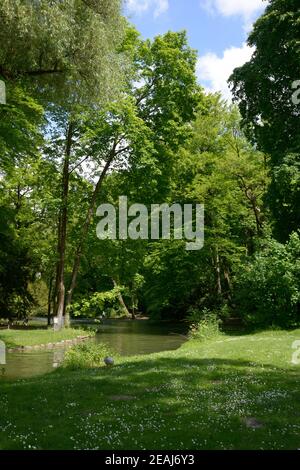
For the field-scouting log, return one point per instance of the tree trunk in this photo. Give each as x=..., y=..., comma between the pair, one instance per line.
x=229, y=283
x=62, y=231
x=253, y=201
x=218, y=270
x=84, y=233
x=55, y=290
x=257, y=215
x=133, y=307
x=228, y=279
x=121, y=301
x=49, y=300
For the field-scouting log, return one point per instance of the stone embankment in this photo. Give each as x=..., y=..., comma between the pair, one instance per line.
x=61, y=344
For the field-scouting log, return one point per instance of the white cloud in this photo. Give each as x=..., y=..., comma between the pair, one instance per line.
x=213, y=71
x=247, y=9
x=138, y=7
x=243, y=8
x=161, y=7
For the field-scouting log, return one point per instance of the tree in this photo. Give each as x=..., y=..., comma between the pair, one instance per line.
x=17, y=269
x=20, y=138
x=263, y=86
x=268, y=288
x=62, y=50
x=284, y=196
x=21, y=119
x=65, y=54
x=264, y=89
x=217, y=167
x=151, y=121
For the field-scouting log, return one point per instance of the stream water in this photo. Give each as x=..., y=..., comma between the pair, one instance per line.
x=125, y=337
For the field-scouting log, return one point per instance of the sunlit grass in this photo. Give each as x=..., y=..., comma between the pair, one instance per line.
x=28, y=337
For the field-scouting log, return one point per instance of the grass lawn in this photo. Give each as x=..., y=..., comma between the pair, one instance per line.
x=234, y=392
x=34, y=337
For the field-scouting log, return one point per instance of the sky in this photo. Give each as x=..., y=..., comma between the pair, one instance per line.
x=218, y=29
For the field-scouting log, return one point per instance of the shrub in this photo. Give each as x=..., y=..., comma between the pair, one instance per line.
x=96, y=304
x=205, y=324
x=268, y=289
x=87, y=356
x=17, y=270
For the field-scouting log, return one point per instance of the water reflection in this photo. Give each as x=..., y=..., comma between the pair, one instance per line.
x=126, y=337
x=28, y=364
x=132, y=338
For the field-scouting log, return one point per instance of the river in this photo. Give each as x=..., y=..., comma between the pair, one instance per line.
x=124, y=336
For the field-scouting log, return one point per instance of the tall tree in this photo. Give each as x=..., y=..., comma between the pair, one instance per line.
x=264, y=88
x=216, y=167
x=149, y=124
x=66, y=54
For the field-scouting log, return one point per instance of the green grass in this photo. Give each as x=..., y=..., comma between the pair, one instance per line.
x=34, y=337
x=197, y=397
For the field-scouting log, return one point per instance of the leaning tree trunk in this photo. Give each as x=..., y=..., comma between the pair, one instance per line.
x=253, y=201
x=62, y=231
x=121, y=301
x=84, y=233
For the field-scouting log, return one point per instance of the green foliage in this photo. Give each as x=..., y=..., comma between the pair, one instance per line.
x=64, y=50
x=39, y=292
x=216, y=167
x=17, y=269
x=263, y=87
x=96, y=304
x=20, y=121
x=268, y=288
x=87, y=356
x=284, y=196
x=141, y=126
x=205, y=324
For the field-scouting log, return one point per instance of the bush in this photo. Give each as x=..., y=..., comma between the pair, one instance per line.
x=17, y=270
x=205, y=324
x=87, y=356
x=268, y=288
x=96, y=304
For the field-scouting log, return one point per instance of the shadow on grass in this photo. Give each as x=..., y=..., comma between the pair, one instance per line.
x=136, y=376
x=173, y=398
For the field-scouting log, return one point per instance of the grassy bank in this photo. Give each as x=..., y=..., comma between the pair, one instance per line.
x=35, y=337
x=233, y=392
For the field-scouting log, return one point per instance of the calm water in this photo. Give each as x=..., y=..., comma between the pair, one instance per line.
x=126, y=337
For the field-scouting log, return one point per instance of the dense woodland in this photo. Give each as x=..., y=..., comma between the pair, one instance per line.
x=94, y=112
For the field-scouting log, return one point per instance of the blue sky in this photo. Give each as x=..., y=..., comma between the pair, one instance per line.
x=216, y=28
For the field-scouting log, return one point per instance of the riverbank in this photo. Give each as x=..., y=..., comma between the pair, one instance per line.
x=26, y=338
x=233, y=392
